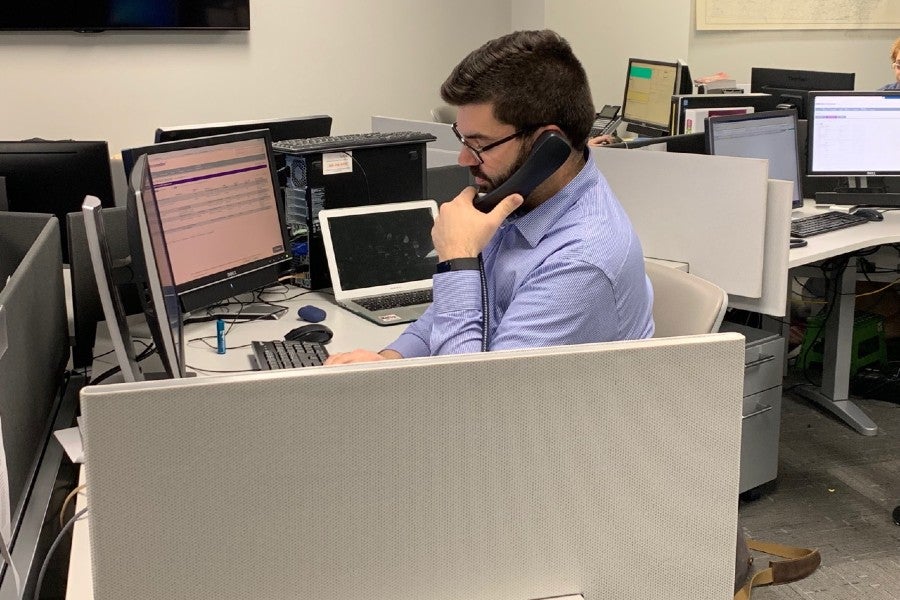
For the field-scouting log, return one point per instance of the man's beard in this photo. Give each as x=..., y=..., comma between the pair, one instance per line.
x=498, y=180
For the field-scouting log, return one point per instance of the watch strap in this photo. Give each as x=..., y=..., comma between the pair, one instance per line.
x=469, y=263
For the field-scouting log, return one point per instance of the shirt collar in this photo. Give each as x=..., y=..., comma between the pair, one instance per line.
x=534, y=224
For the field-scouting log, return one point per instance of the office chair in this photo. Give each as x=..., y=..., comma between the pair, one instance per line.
x=444, y=114
x=684, y=304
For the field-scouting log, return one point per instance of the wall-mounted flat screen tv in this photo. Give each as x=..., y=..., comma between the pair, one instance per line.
x=102, y=15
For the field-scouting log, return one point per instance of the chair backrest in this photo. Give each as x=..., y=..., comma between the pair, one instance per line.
x=444, y=114
x=684, y=304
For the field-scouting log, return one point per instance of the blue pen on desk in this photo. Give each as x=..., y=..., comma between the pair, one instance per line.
x=220, y=336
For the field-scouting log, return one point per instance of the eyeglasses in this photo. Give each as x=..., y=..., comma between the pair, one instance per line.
x=477, y=152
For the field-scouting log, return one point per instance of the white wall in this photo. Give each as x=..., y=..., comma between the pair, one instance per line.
x=866, y=53
x=605, y=33
x=347, y=58
x=355, y=58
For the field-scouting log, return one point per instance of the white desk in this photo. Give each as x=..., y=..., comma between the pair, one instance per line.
x=350, y=332
x=834, y=390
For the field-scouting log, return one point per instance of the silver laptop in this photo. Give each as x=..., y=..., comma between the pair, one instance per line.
x=381, y=258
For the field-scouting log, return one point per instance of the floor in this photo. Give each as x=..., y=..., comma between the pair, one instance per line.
x=835, y=491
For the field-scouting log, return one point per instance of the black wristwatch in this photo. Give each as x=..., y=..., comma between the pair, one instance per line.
x=457, y=264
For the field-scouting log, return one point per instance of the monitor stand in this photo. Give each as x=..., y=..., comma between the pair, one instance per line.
x=250, y=312
x=644, y=131
x=858, y=192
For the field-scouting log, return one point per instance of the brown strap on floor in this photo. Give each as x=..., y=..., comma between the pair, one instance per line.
x=800, y=563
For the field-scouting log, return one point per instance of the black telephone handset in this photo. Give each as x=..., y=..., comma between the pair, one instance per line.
x=548, y=154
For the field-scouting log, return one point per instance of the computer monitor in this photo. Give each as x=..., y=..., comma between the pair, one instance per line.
x=770, y=135
x=649, y=87
x=854, y=135
x=791, y=87
x=53, y=177
x=686, y=143
x=291, y=128
x=213, y=217
x=280, y=129
x=685, y=81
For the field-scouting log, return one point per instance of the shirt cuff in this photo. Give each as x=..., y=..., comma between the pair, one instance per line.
x=457, y=290
x=409, y=346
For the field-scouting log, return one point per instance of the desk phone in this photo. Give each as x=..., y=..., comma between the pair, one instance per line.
x=606, y=121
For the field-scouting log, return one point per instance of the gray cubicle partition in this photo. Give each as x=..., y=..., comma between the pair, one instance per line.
x=497, y=475
x=32, y=382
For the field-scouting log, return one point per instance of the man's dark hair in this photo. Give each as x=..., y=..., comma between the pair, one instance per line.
x=532, y=78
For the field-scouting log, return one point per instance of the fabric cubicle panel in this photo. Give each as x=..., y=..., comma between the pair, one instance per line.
x=706, y=211
x=500, y=475
x=33, y=302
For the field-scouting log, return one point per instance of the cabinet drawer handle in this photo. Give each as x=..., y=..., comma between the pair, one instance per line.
x=760, y=409
x=759, y=361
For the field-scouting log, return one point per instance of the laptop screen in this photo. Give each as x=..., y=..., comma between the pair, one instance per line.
x=383, y=248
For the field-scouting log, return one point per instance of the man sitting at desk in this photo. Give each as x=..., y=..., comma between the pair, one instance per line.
x=562, y=266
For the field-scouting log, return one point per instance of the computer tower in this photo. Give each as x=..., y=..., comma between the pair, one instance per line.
x=342, y=178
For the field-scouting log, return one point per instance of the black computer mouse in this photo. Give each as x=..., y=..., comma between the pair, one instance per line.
x=869, y=213
x=314, y=332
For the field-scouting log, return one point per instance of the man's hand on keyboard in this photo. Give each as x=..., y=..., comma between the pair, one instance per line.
x=360, y=355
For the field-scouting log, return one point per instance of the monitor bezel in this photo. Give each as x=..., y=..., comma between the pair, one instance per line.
x=56, y=187
x=712, y=122
x=279, y=128
x=85, y=22
x=796, y=84
x=208, y=290
x=810, y=126
x=640, y=125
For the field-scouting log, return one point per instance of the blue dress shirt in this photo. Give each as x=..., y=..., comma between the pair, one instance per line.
x=890, y=86
x=571, y=271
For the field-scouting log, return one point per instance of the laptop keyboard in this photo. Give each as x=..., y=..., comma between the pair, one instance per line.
x=398, y=300
x=284, y=354
x=824, y=222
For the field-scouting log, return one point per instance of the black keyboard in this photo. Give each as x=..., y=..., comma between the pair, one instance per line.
x=351, y=141
x=283, y=354
x=824, y=222
x=395, y=300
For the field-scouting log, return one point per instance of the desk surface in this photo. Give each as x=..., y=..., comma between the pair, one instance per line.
x=843, y=241
x=350, y=332
x=833, y=393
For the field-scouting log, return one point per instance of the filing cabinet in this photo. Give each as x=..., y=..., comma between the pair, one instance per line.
x=761, y=417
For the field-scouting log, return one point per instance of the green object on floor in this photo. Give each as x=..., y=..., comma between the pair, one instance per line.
x=869, y=344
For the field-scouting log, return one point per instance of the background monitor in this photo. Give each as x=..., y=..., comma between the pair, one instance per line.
x=686, y=143
x=280, y=129
x=53, y=177
x=854, y=135
x=791, y=87
x=770, y=135
x=649, y=87
x=685, y=81
x=212, y=204
x=99, y=15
